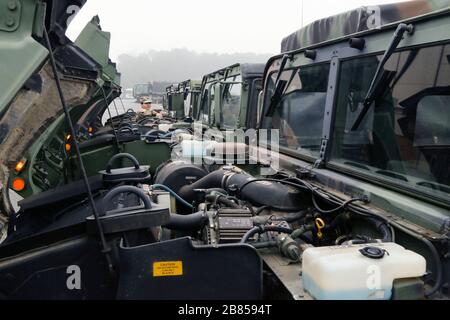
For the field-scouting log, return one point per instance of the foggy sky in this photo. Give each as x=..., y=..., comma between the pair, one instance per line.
x=177, y=65
x=205, y=26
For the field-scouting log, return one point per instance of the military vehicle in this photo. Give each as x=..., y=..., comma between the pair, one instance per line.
x=181, y=101
x=191, y=97
x=43, y=156
x=238, y=87
x=142, y=91
x=227, y=101
x=167, y=100
x=185, y=99
x=357, y=207
x=363, y=120
x=229, y=97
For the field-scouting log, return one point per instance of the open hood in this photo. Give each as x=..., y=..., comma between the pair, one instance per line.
x=21, y=32
x=30, y=108
x=96, y=43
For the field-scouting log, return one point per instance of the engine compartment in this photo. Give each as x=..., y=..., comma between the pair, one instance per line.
x=128, y=203
x=255, y=229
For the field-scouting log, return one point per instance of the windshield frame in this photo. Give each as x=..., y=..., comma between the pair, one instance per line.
x=338, y=50
x=266, y=98
x=228, y=84
x=210, y=81
x=378, y=178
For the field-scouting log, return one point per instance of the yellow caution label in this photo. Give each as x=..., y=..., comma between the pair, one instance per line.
x=168, y=269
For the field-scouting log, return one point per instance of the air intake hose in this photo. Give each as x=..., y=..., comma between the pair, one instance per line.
x=192, y=222
x=260, y=193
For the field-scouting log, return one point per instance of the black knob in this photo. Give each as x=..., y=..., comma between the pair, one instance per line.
x=373, y=252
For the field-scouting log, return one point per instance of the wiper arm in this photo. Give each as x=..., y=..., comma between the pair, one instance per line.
x=276, y=98
x=280, y=85
x=378, y=79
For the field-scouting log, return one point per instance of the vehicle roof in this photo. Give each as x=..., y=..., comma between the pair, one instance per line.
x=358, y=20
x=250, y=70
x=247, y=70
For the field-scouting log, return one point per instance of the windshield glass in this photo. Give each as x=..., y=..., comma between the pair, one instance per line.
x=187, y=102
x=299, y=115
x=405, y=137
x=231, y=106
x=207, y=109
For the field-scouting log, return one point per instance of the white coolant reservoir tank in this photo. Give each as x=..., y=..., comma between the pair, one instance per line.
x=358, y=272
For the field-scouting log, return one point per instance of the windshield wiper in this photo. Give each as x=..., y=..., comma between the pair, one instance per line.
x=381, y=77
x=280, y=86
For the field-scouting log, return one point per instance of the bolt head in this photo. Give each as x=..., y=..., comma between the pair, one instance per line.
x=12, y=5
x=10, y=22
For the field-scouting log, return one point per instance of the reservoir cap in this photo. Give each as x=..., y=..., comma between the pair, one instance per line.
x=373, y=252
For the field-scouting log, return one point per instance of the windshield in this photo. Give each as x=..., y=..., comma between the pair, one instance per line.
x=207, y=110
x=405, y=137
x=231, y=105
x=299, y=115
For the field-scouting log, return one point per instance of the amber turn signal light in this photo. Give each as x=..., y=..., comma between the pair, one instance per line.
x=18, y=184
x=20, y=166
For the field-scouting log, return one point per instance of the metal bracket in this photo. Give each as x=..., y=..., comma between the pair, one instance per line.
x=322, y=155
x=329, y=111
x=10, y=13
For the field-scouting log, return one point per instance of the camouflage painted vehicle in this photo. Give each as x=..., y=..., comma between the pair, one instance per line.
x=356, y=207
x=181, y=102
x=167, y=101
x=42, y=156
x=363, y=122
x=142, y=91
x=358, y=20
x=65, y=224
x=229, y=97
x=188, y=94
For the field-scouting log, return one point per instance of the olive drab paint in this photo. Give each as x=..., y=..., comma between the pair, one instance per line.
x=358, y=20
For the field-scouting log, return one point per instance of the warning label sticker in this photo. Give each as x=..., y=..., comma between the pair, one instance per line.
x=168, y=269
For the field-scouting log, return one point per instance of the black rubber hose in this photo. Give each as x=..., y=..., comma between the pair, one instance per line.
x=266, y=192
x=435, y=255
x=335, y=210
x=383, y=229
x=260, y=210
x=272, y=194
x=125, y=125
x=192, y=222
x=109, y=197
x=221, y=199
x=217, y=190
x=261, y=230
x=228, y=203
x=212, y=180
x=337, y=221
x=300, y=232
x=263, y=245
